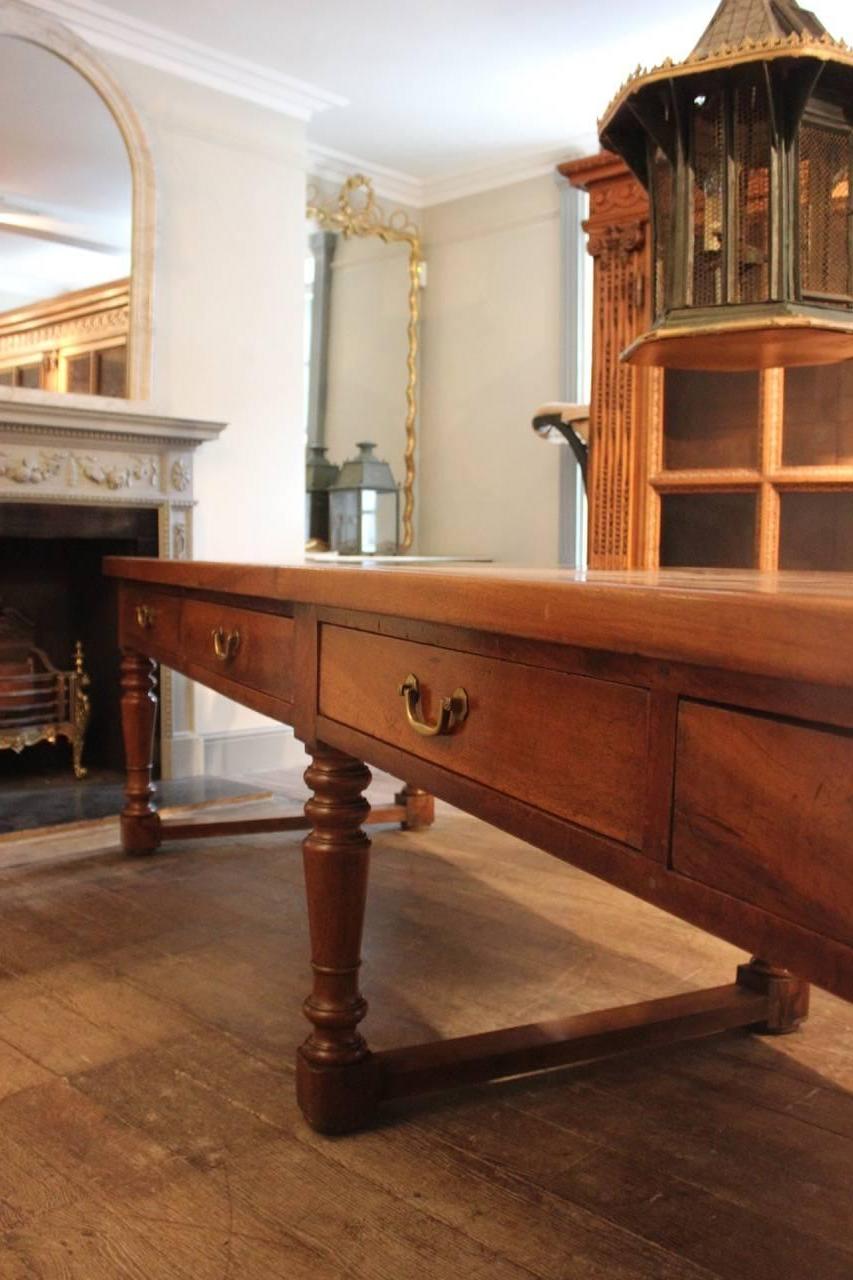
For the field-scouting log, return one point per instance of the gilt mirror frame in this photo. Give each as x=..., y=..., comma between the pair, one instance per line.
x=24, y=22
x=350, y=216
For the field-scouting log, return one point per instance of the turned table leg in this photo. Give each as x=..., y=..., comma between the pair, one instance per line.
x=140, y=822
x=335, y=1072
x=789, y=996
x=419, y=806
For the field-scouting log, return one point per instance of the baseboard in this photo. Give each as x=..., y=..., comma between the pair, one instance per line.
x=242, y=751
x=183, y=756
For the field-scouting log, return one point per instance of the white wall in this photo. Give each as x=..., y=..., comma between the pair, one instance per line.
x=490, y=355
x=228, y=317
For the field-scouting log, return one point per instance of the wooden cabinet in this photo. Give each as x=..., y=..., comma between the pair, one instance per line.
x=698, y=469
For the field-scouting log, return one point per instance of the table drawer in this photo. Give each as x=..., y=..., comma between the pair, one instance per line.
x=571, y=745
x=252, y=648
x=150, y=619
x=764, y=811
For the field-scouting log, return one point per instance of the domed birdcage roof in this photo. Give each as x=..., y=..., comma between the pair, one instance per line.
x=745, y=148
x=741, y=31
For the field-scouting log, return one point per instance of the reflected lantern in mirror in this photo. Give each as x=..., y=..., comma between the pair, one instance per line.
x=364, y=506
x=745, y=149
x=320, y=475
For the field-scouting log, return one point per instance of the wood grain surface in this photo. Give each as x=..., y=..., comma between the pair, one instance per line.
x=752, y=790
x=794, y=625
x=571, y=745
x=148, y=1125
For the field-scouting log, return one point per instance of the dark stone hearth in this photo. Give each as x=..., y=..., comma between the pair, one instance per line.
x=44, y=803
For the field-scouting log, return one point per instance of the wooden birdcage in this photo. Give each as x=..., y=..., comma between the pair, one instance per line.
x=746, y=150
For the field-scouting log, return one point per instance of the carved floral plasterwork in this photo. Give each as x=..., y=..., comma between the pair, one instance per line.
x=180, y=475
x=179, y=542
x=120, y=474
x=31, y=468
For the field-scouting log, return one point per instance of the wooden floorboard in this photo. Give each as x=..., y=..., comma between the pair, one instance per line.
x=149, y=1012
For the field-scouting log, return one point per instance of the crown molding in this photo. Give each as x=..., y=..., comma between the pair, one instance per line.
x=328, y=165
x=504, y=173
x=154, y=46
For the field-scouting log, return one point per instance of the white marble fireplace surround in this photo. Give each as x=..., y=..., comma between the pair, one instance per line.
x=86, y=451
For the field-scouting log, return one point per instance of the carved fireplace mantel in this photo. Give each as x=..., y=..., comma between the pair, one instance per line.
x=80, y=450
x=93, y=450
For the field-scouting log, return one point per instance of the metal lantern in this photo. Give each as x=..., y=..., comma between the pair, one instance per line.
x=320, y=475
x=364, y=506
x=745, y=149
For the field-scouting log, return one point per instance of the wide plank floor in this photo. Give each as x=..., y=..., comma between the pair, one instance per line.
x=149, y=1012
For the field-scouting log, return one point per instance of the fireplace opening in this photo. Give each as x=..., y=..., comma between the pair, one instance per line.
x=50, y=572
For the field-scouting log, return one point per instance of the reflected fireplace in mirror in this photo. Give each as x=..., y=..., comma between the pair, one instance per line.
x=66, y=193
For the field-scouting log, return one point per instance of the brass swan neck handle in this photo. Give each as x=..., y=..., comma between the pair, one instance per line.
x=225, y=644
x=452, y=710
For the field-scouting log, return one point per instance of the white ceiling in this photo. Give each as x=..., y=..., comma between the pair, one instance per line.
x=435, y=97
x=439, y=89
x=442, y=85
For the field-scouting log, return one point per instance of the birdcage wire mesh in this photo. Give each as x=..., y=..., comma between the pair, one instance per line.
x=708, y=199
x=751, y=278
x=662, y=181
x=824, y=173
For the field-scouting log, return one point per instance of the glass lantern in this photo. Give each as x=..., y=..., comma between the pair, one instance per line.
x=745, y=149
x=320, y=475
x=364, y=507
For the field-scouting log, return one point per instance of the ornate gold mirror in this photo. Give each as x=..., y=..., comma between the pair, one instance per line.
x=363, y=276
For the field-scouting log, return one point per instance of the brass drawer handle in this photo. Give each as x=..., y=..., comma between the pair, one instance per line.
x=225, y=644
x=144, y=616
x=452, y=711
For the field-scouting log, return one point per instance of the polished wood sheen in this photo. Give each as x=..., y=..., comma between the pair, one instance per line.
x=335, y=1073
x=151, y=618
x=530, y=724
x=140, y=822
x=685, y=736
x=748, y=789
x=262, y=653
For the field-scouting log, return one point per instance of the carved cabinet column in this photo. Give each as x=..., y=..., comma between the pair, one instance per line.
x=619, y=242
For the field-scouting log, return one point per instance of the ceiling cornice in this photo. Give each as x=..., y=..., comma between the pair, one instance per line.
x=328, y=165
x=422, y=193
x=154, y=46
x=503, y=173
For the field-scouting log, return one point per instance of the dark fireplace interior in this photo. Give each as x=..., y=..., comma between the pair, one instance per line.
x=50, y=571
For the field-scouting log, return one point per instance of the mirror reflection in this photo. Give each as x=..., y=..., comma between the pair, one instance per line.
x=362, y=284
x=65, y=229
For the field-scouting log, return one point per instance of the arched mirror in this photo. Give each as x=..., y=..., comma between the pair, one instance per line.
x=66, y=228
x=362, y=292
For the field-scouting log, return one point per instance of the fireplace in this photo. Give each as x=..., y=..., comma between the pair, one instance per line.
x=82, y=477
x=50, y=571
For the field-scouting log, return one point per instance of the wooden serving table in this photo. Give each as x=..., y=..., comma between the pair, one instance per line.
x=687, y=736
